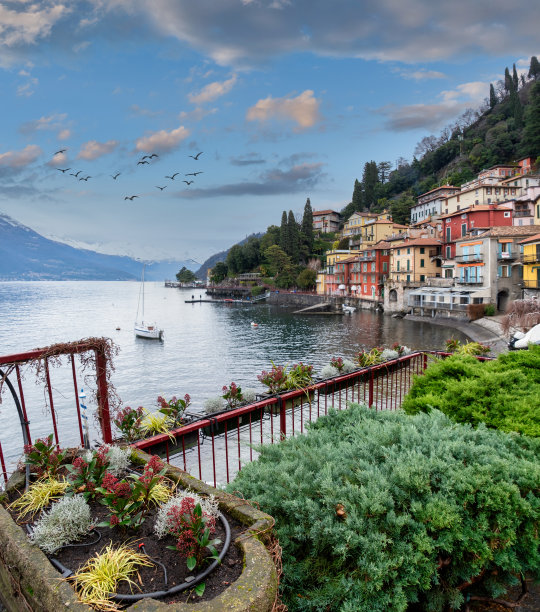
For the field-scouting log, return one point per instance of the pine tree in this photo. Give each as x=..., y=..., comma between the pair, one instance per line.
x=294, y=238
x=515, y=79
x=370, y=181
x=534, y=68
x=492, y=96
x=307, y=227
x=284, y=233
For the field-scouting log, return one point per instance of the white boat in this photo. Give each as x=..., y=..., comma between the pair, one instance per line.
x=142, y=328
x=348, y=309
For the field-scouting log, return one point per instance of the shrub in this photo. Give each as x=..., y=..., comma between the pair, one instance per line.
x=489, y=310
x=67, y=521
x=329, y=371
x=502, y=393
x=214, y=404
x=250, y=395
x=348, y=366
x=164, y=524
x=475, y=311
x=299, y=376
x=390, y=510
x=232, y=395
x=44, y=457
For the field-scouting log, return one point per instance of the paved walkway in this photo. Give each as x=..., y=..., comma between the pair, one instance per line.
x=486, y=330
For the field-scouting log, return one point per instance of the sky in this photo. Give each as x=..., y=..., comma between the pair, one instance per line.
x=279, y=100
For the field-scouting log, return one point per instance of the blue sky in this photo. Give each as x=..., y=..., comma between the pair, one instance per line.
x=287, y=99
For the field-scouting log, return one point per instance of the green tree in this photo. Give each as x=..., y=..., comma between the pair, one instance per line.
x=219, y=272
x=370, y=181
x=284, y=233
x=401, y=209
x=534, y=68
x=492, y=96
x=271, y=237
x=384, y=168
x=235, y=260
x=277, y=259
x=530, y=141
x=508, y=83
x=294, y=238
x=515, y=79
x=307, y=279
x=307, y=228
x=185, y=276
x=357, y=196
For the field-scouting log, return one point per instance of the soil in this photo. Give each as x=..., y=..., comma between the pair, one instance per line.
x=151, y=579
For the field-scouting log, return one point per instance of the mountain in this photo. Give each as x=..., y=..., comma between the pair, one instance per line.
x=208, y=264
x=26, y=255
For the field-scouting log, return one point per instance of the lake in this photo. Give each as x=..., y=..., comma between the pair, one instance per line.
x=205, y=345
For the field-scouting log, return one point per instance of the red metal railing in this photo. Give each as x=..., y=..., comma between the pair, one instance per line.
x=214, y=448
x=11, y=376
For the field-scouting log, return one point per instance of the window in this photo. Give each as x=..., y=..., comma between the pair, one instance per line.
x=448, y=252
x=448, y=234
x=422, y=278
x=504, y=271
x=373, y=266
x=399, y=251
x=422, y=250
x=408, y=250
x=422, y=263
x=408, y=278
x=408, y=264
x=488, y=190
x=463, y=229
x=507, y=214
x=398, y=265
x=385, y=266
x=373, y=278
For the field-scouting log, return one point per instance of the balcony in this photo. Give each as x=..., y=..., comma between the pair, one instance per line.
x=534, y=258
x=438, y=305
x=506, y=255
x=522, y=213
x=531, y=284
x=470, y=281
x=471, y=258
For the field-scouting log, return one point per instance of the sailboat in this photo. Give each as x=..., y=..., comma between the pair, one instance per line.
x=142, y=328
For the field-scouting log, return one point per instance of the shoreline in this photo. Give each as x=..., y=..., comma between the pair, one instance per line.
x=486, y=330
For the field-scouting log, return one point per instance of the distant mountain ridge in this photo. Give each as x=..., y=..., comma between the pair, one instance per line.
x=26, y=255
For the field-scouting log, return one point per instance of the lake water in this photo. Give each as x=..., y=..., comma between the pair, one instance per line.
x=205, y=345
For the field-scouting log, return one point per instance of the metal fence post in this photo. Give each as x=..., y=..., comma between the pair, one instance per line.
x=282, y=418
x=103, y=396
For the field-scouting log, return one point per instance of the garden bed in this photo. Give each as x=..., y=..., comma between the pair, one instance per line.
x=245, y=579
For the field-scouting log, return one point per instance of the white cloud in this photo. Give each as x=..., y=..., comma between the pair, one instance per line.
x=422, y=74
x=64, y=134
x=197, y=114
x=20, y=159
x=303, y=110
x=93, y=149
x=32, y=22
x=212, y=91
x=45, y=123
x=162, y=141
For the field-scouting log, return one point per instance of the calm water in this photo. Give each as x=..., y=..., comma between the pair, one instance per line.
x=205, y=345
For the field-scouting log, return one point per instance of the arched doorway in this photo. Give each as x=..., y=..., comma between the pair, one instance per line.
x=502, y=300
x=392, y=295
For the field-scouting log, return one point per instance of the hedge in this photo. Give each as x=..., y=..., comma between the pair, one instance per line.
x=378, y=510
x=503, y=393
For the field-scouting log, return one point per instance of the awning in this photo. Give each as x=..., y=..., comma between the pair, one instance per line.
x=342, y=287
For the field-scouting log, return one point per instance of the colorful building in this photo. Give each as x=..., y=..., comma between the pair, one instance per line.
x=531, y=266
x=326, y=221
x=415, y=260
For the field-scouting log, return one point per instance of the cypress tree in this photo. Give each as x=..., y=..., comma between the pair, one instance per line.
x=508, y=83
x=530, y=141
x=515, y=79
x=492, y=96
x=284, y=233
x=357, y=196
x=294, y=238
x=307, y=226
x=370, y=180
x=534, y=68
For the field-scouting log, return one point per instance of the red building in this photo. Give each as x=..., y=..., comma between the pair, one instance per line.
x=367, y=272
x=460, y=223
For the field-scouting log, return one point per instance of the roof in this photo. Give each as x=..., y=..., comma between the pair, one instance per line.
x=530, y=239
x=437, y=189
x=501, y=231
x=325, y=212
x=417, y=242
x=518, y=176
x=382, y=245
x=476, y=208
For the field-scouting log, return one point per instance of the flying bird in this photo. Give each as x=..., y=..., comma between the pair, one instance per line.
x=153, y=155
x=59, y=152
x=62, y=170
x=188, y=182
x=193, y=173
x=172, y=177
x=162, y=188
x=142, y=161
x=196, y=157
x=115, y=176
x=145, y=156
x=76, y=173
x=84, y=178
x=131, y=197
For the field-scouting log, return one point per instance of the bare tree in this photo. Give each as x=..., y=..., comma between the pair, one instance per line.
x=521, y=314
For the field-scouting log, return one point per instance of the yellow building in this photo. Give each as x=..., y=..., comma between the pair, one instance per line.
x=354, y=224
x=413, y=261
x=531, y=265
x=375, y=231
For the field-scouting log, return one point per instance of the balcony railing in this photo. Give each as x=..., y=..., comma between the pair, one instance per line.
x=470, y=281
x=532, y=284
x=438, y=305
x=471, y=258
x=534, y=258
x=507, y=255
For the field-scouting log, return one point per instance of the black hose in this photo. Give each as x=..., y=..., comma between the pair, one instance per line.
x=21, y=420
x=173, y=590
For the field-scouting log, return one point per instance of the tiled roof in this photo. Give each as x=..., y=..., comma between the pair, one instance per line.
x=325, y=212
x=501, y=231
x=530, y=239
x=417, y=242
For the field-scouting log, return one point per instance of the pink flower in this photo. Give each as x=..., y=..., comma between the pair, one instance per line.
x=109, y=482
x=114, y=520
x=122, y=489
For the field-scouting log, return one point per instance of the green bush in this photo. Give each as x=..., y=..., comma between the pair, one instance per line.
x=378, y=510
x=502, y=393
x=489, y=310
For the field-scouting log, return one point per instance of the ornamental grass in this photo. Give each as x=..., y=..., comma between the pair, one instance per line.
x=38, y=496
x=99, y=577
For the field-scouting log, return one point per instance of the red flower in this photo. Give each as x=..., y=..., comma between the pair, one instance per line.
x=122, y=489
x=109, y=482
x=114, y=520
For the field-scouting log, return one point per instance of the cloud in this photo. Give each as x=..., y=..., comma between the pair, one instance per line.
x=64, y=134
x=49, y=123
x=197, y=114
x=434, y=116
x=272, y=182
x=144, y=112
x=249, y=159
x=30, y=23
x=303, y=110
x=422, y=74
x=212, y=91
x=20, y=159
x=162, y=141
x=94, y=149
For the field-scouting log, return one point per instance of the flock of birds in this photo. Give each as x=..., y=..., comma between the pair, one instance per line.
x=145, y=159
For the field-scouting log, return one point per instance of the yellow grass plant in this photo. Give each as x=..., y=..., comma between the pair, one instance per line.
x=154, y=423
x=159, y=494
x=38, y=496
x=100, y=575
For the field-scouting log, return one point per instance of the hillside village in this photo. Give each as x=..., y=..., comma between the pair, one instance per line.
x=474, y=244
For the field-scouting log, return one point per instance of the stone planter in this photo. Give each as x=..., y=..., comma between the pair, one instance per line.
x=28, y=581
